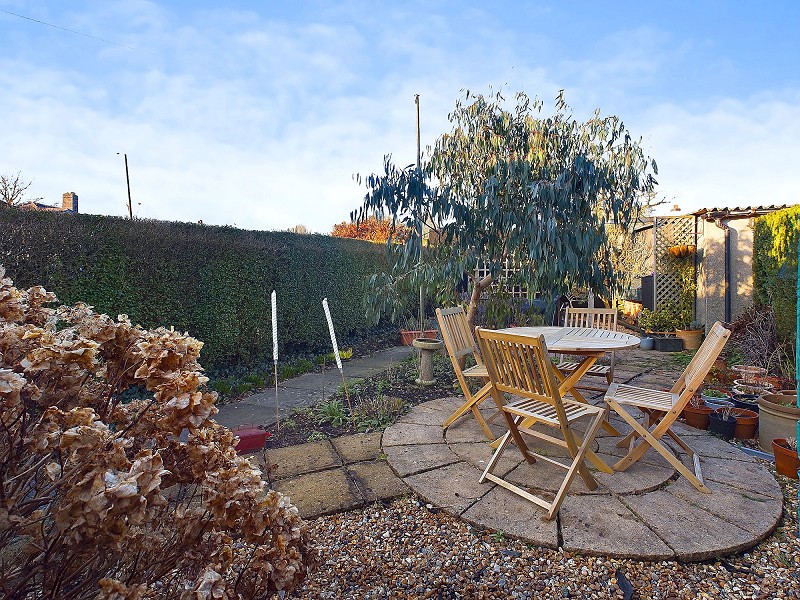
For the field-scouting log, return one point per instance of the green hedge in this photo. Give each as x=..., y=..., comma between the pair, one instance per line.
x=214, y=282
x=775, y=267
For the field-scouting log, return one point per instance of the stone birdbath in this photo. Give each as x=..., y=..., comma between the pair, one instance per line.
x=426, y=347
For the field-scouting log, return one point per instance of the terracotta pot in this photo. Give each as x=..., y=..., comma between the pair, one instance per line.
x=407, y=336
x=778, y=416
x=692, y=338
x=696, y=417
x=786, y=461
x=746, y=423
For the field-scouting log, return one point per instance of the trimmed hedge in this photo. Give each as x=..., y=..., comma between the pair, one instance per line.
x=775, y=267
x=214, y=282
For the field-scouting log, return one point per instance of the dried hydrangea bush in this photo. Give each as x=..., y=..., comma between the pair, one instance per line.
x=102, y=496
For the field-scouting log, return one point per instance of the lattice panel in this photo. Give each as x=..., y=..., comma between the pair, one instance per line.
x=515, y=291
x=669, y=231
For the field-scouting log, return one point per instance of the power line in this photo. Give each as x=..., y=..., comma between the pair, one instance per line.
x=80, y=33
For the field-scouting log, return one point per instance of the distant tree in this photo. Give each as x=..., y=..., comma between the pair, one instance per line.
x=12, y=189
x=508, y=188
x=298, y=229
x=372, y=229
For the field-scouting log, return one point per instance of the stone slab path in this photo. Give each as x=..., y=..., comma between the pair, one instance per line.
x=646, y=512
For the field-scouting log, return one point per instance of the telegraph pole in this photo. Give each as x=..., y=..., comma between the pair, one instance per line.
x=128, y=181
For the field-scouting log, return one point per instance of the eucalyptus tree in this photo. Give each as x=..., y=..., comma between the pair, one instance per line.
x=512, y=197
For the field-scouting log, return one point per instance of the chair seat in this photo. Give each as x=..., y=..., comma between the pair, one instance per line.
x=642, y=397
x=595, y=369
x=545, y=412
x=476, y=371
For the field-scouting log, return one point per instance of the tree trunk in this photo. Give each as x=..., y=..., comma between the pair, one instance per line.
x=477, y=290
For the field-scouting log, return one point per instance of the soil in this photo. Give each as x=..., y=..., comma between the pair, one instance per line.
x=383, y=398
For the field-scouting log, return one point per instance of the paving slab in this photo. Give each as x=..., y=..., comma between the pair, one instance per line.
x=604, y=525
x=453, y=488
x=321, y=493
x=375, y=480
x=409, y=460
x=358, y=447
x=300, y=459
x=478, y=454
x=403, y=434
x=512, y=515
x=744, y=475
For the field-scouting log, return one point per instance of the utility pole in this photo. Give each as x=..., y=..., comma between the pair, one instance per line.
x=128, y=181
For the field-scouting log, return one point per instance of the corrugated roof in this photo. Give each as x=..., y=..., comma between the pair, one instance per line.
x=741, y=209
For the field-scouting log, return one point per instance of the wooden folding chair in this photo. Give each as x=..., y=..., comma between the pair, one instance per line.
x=595, y=318
x=459, y=343
x=661, y=409
x=520, y=365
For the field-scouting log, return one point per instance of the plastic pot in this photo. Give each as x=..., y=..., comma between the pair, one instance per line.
x=715, y=402
x=746, y=423
x=668, y=344
x=646, y=343
x=746, y=401
x=786, y=461
x=722, y=427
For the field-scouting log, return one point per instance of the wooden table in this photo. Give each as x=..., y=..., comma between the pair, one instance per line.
x=588, y=343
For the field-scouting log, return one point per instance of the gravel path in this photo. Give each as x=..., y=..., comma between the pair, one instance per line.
x=406, y=549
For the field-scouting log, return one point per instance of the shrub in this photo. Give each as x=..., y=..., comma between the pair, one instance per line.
x=101, y=498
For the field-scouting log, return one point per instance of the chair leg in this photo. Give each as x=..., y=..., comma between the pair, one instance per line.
x=471, y=400
x=649, y=441
x=482, y=422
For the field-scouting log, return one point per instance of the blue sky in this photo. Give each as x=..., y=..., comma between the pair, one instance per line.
x=258, y=114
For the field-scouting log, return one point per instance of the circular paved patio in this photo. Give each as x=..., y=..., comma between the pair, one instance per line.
x=646, y=512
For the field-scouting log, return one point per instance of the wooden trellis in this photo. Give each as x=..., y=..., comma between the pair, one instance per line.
x=669, y=232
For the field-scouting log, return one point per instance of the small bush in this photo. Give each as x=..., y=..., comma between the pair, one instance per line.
x=101, y=498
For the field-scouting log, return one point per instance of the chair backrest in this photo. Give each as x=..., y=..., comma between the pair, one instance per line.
x=520, y=365
x=697, y=369
x=456, y=333
x=595, y=318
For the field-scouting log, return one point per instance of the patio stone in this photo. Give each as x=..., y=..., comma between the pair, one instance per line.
x=692, y=532
x=408, y=460
x=404, y=434
x=478, y=454
x=305, y=492
x=355, y=448
x=297, y=460
x=747, y=476
x=604, y=525
x=503, y=511
x=453, y=488
x=376, y=480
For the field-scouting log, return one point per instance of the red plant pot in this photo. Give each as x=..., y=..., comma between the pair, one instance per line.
x=251, y=438
x=786, y=461
x=696, y=417
x=746, y=423
x=409, y=335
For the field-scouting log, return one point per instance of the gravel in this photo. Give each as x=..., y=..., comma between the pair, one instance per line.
x=409, y=549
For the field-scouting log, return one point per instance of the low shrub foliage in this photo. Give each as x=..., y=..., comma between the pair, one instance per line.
x=108, y=494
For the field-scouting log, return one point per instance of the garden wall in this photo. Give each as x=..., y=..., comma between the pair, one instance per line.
x=775, y=266
x=214, y=282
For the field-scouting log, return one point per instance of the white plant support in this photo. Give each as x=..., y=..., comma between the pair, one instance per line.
x=275, y=357
x=336, y=353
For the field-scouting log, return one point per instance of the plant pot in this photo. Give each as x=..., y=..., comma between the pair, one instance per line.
x=778, y=418
x=714, y=402
x=407, y=336
x=696, y=417
x=692, y=338
x=746, y=401
x=723, y=428
x=646, y=343
x=668, y=344
x=786, y=461
x=746, y=423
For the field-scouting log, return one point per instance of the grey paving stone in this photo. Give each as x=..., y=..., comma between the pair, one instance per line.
x=304, y=458
x=748, y=476
x=408, y=460
x=693, y=533
x=320, y=493
x=467, y=429
x=375, y=480
x=751, y=511
x=355, y=448
x=603, y=525
x=432, y=413
x=403, y=434
x=478, y=455
x=505, y=511
x=453, y=488
x=708, y=446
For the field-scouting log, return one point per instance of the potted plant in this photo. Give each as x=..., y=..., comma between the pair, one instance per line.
x=778, y=416
x=746, y=423
x=409, y=331
x=722, y=422
x=662, y=323
x=716, y=398
x=696, y=413
x=786, y=461
x=691, y=334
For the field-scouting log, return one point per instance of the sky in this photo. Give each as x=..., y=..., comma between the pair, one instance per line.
x=259, y=114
